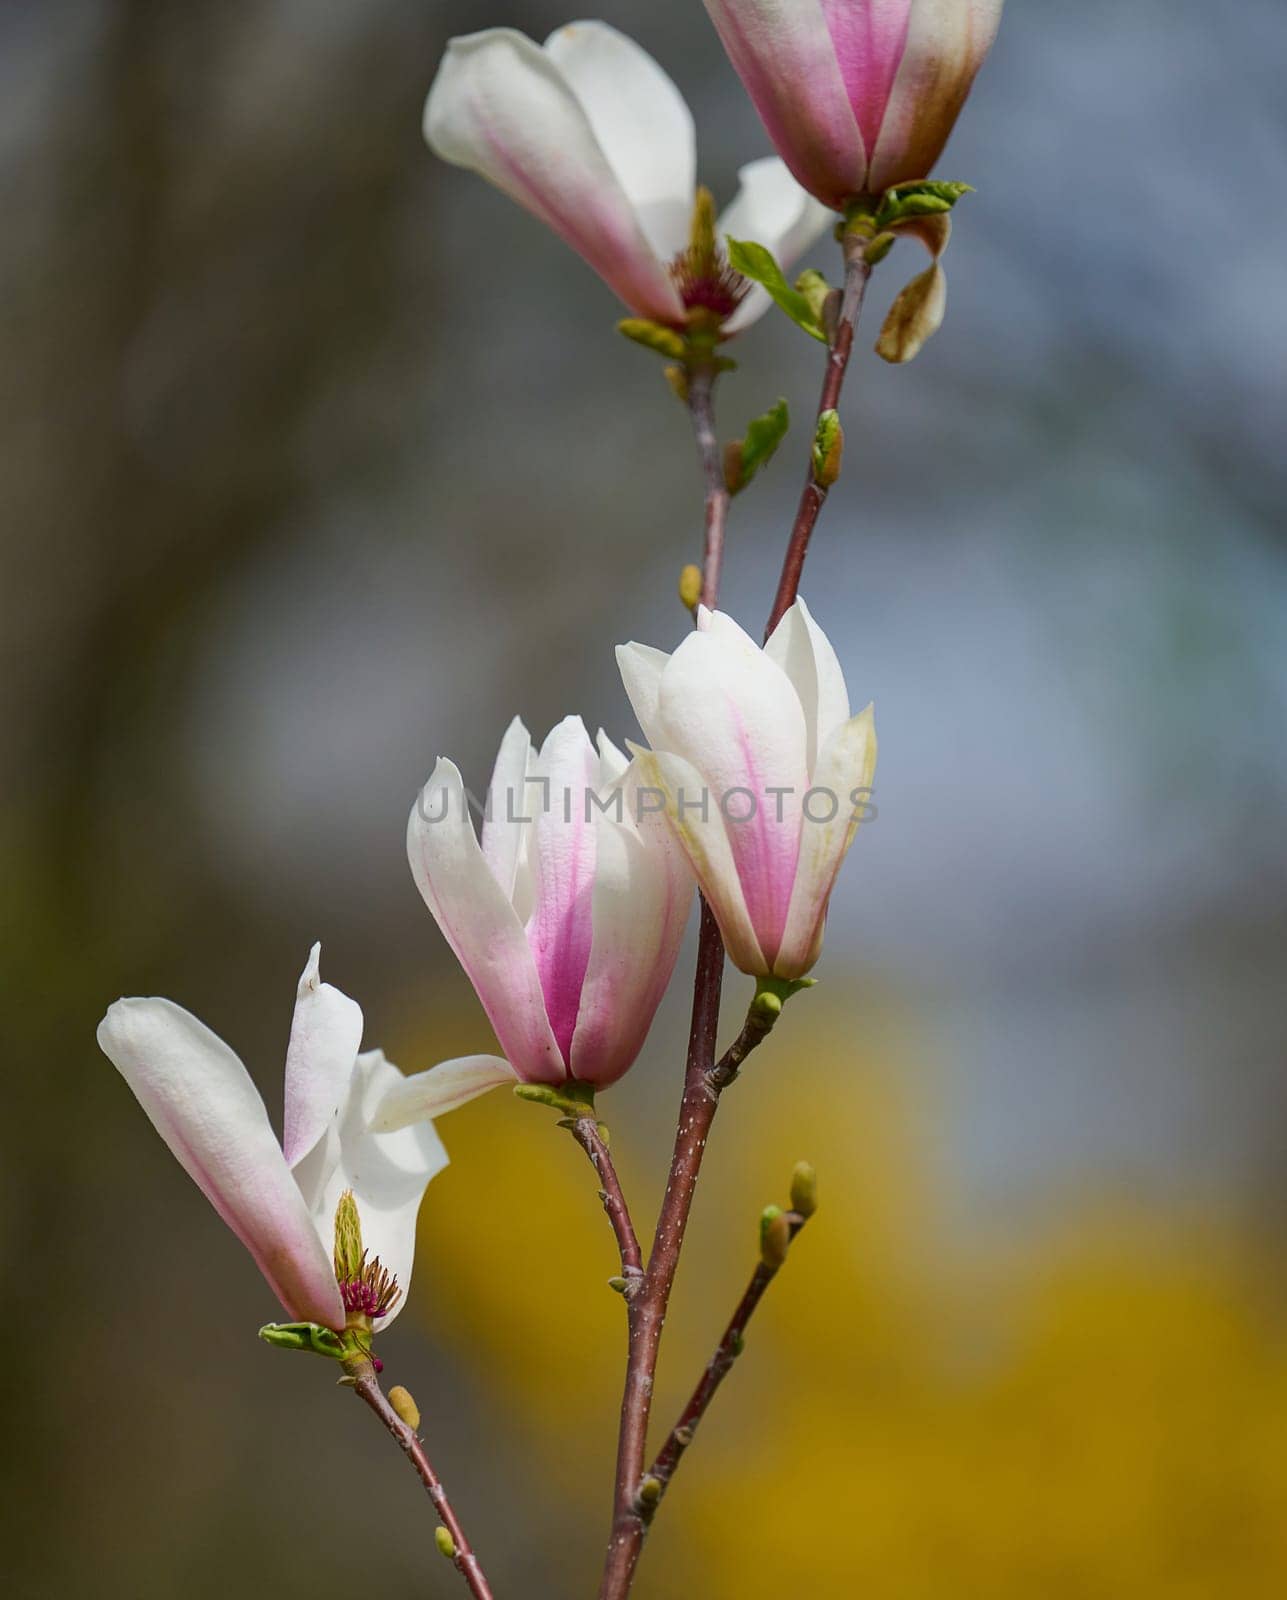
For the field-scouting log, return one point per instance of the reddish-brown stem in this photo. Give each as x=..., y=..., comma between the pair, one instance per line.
x=814, y=495
x=367, y=1388
x=701, y=405
x=717, y=1369
x=585, y=1130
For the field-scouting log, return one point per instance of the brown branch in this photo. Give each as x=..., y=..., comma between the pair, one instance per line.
x=585, y=1130
x=701, y=406
x=814, y=495
x=658, y=1477
x=367, y=1388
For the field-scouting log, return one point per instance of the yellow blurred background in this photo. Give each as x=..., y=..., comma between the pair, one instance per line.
x=320, y=460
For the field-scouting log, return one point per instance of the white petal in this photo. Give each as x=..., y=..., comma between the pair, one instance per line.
x=732, y=712
x=641, y=121
x=613, y=763
x=701, y=835
x=771, y=208
x=641, y=668
x=804, y=653
x=203, y=1104
x=387, y=1172
x=480, y=924
x=450, y=1084
x=505, y=828
x=501, y=107
x=325, y=1036
x=847, y=764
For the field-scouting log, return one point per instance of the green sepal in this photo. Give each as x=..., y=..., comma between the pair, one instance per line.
x=575, y=1099
x=755, y=262
x=763, y=436
x=654, y=336
x=771, y=994
x=304, y=1336
x=926, y=198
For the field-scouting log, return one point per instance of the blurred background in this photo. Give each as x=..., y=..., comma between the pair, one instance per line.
x=319, y=459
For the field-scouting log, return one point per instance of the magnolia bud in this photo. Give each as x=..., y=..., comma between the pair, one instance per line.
x=828, y=449
x=775, y=1237
x=804, y=1189
x=401, y=1401
x=446, y=1544
x=690, y=586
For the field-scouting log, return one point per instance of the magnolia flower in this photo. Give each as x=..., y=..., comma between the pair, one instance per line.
x=353, y=1124
x=857, y=95
x=589, y=134
x=764, y=772
x=567, y=917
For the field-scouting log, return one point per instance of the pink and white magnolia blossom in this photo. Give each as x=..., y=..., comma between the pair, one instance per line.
x=764, y=772
x=589, y=134
x=352, y=1122
x=567, y=917
x=857, y=95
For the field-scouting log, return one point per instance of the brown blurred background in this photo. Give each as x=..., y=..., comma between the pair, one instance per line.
x=320, y=459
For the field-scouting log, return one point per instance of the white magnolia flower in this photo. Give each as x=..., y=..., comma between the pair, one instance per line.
x=353, y=1123
x=765, y=776
x=589, y=134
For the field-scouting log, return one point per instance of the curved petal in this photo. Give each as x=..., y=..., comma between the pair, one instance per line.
x=783, y=52
x=732, y=712
x=847, y=764
x=642, y=123
x=699, y=830
x=643, y=890
x=480, y=924
x=804, y=653
x=505, y=825
x=325, y=1036
x=641, y=667
x=771, y=208
x=947, y=41
x=868, y=38
x=447, y=1086
x=613, y=765
x=563, y=862
x=387, y=1172
x=501, y=107
x=203, y=1104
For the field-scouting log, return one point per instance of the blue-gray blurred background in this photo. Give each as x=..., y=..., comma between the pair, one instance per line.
x=319, y=459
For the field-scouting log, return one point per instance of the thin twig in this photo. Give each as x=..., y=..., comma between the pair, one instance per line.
x=717, y=1369
x=585, y=1130
x=367, y=1388
x=701, y=405
x=814, y=495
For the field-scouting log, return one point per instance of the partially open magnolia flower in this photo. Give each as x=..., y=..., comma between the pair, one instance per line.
x=589, y=134
x=354, y=1125
x=764, y=772
x=567, y=917
x=857, y=95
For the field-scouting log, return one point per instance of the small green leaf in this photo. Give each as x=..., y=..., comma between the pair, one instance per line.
x=303, y=1336
x=922, y=199
x=755, y=262
x=654, y=336
x=756, y=450
x=828, y=449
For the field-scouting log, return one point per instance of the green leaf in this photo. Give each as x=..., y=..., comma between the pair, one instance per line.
x=654, y=336
x=303, y=1336
x=763, y=436
x=922, y=199
x=755, y=262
